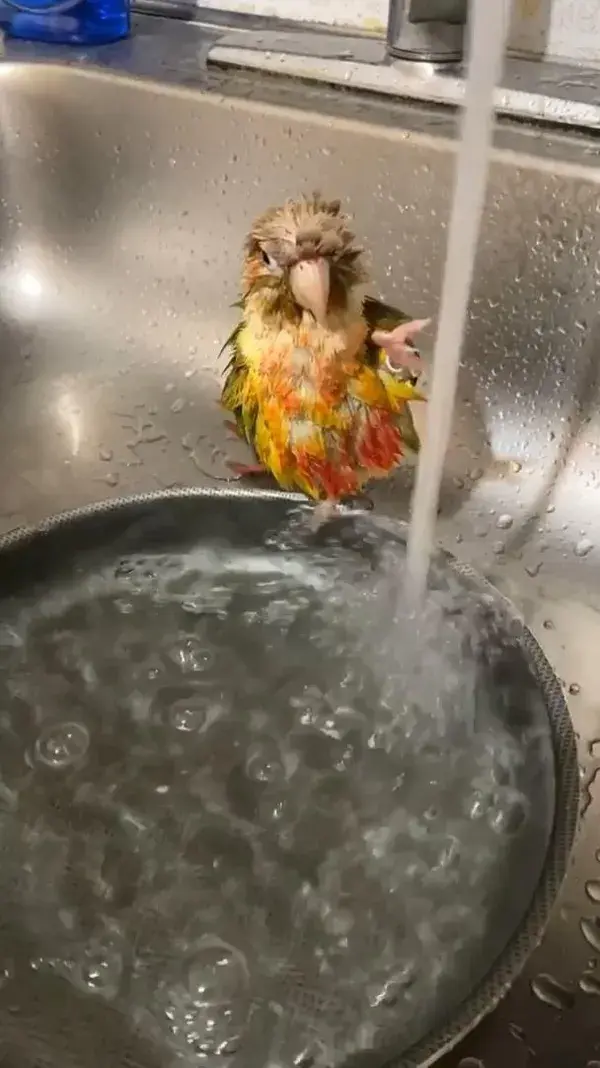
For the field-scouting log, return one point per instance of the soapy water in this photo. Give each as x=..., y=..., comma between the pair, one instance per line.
x=241, y=806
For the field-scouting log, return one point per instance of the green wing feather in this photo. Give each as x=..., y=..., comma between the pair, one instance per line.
x=234, y=397
x=382, y=316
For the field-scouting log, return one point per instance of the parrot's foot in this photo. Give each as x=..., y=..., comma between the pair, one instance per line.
x=359, y=502
x=398, y=346
x=233, y=428
x=323, y=512
x=246, y=470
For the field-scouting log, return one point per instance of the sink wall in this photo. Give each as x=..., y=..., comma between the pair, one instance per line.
x=124, y=206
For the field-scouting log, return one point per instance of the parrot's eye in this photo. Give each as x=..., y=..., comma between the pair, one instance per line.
x=269, y=261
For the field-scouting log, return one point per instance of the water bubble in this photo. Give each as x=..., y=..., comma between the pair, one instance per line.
x=574, y=689
x=9, y=639
x=186, y=715
x=124, y=606
x=218, y=973
x=264, y=762
x=100, y=969
x=192, y=655
x=509, y=812
x=62, y=744
x=313, y=1055
x=478, y=805
x=394, y=988
x=551, y=992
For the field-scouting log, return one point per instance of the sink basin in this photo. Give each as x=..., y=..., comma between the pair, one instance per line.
x=123, y=206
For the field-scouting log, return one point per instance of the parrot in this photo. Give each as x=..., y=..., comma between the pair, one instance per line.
x=319, y=375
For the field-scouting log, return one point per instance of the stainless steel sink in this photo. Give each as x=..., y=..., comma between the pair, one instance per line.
x=124, y=203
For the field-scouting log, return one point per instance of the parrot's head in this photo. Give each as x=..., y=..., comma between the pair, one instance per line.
x=301, y=257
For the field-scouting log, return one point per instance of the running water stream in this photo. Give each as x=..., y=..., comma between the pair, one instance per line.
x=488, y=24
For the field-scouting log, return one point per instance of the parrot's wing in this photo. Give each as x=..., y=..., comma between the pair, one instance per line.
x=379, y=316
x=235, y=395
x=406, y=425
x=382, y=316
x=231, y=343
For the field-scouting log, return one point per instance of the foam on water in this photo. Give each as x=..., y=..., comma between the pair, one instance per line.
x=238, y=806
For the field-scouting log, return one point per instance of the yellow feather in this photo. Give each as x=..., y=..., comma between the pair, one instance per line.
x=400, y=390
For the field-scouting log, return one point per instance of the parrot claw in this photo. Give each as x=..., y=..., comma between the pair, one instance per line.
x=246, y=470
x=232, y=428
x=398, y=346
x=323, y=513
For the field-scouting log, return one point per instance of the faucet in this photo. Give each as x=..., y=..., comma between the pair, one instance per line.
x=427, y=30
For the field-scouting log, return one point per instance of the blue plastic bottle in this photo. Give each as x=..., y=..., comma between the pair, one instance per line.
x=76, y=22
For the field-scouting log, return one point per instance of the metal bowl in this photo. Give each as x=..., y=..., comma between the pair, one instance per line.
x=58, y=571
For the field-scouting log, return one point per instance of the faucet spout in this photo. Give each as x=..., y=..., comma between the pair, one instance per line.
x=426, y=30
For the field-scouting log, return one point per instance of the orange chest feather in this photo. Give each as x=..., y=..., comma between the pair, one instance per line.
x=306, y=368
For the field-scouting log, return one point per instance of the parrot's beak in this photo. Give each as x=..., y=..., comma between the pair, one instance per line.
x=309, y=281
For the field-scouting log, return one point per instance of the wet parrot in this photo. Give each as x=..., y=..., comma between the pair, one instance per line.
x=319, y=375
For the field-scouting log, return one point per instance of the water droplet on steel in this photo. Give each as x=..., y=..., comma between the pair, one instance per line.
x=551, y=992
x=534, y=568
x=504, y=521
x=590, y=984
x=590, y=929
x=592, y=889
x=517, y=1032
